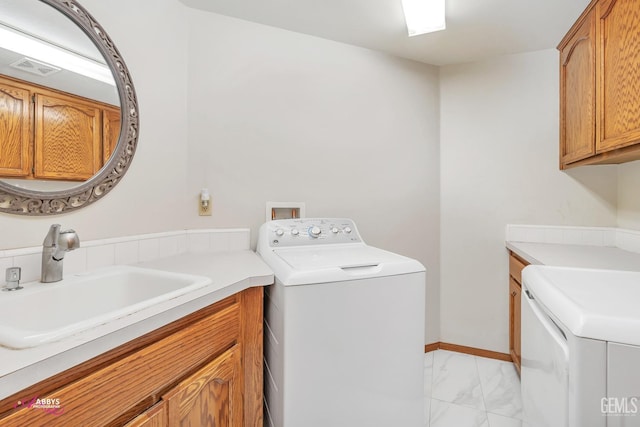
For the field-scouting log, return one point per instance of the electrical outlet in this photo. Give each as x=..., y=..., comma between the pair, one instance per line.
x=204, y=210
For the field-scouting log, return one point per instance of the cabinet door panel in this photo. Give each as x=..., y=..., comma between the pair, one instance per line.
x=153, y=417
x=110, y=132
x=578, y=95
x=67, y=139
x=619, y=74
x=15, y=133
x=212, y=397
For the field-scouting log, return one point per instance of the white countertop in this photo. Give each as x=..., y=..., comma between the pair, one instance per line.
x=580, y=256
x=591, y=303
x=230, y=273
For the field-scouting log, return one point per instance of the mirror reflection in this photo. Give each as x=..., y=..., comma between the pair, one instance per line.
x=59, y=105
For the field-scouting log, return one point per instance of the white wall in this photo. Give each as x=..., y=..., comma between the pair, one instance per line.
x=280, y=116
x=628, y=195
x=499, y=165
x=151, y=36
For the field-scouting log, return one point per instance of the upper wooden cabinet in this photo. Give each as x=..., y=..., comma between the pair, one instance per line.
x=599, y=96
x=48, y=134
x=578, y=94
x=68, y=139
x=110, y=131
x=15, y=130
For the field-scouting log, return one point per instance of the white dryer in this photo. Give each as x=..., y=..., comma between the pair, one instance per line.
x=580, y=347
x=344, y=329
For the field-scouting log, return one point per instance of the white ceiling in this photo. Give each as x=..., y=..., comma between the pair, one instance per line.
x=476, y=29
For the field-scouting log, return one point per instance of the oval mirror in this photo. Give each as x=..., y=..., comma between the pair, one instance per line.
x=68, y=109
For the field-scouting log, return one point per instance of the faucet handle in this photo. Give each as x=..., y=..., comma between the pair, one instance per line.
x=69, y=240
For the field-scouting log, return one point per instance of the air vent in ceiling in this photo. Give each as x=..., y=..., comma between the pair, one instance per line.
x=35, y=67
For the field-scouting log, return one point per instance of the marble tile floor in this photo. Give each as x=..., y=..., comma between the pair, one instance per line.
x=462, y=390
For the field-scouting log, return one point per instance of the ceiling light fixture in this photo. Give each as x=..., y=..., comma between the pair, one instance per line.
x=424, y=16
x=32, y=47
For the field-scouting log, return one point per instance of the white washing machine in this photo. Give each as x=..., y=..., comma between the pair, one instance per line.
x=344, y=329
x=580, y=347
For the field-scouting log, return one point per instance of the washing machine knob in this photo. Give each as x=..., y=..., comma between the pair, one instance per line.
x=314, y=231
x=280, y=232
x=347, y=230
x=295, y=232
x=335, y=230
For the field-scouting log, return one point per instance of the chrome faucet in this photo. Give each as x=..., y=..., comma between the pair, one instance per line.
x=55, y=244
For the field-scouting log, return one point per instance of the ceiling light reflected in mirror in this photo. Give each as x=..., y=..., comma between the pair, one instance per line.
x=424, y=16
x=53, y=55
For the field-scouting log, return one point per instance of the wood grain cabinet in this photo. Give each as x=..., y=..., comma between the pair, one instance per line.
x=210, y=397
x=599, y=96
x=68, y=138
x=516, y=264
x=48, y=134
x=202, y=370
x=15, y=130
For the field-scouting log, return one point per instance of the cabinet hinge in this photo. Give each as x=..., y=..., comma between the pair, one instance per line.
x=33, y=99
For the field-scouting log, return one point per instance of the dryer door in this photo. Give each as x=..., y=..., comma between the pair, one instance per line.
x=545, y=368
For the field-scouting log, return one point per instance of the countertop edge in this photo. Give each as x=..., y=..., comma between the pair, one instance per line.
x=513, y=246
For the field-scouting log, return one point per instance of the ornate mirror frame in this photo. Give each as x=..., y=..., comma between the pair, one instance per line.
x=21, y=201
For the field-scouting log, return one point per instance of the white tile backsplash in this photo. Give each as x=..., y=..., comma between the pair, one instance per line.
x=128, y=250
x=101, y=256
x=30, y=265
x=4, y=264
x=629, y=240
x=198, y=242
x=74, y=262
x=219, y=242
x=149, y=250
x=239, y=241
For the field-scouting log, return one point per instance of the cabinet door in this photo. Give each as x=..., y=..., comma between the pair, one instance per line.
x=212, y=397
x=68, y=136
x=15, y=130
x=578, y=94
x=515, y=321
x=155, y=416
x=110, y=132
x=618, y=30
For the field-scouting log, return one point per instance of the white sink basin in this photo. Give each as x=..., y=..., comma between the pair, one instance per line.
x=46, y=312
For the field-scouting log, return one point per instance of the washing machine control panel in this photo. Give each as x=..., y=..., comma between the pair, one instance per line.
x=311, y=231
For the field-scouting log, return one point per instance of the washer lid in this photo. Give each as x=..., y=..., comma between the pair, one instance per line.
x=317, y=258
x=322, y=264
x=596, y=304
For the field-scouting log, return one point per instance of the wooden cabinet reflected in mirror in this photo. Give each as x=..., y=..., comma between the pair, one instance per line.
x=48, y=134
x=68, y=110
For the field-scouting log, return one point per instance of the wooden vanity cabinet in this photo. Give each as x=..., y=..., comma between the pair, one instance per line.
x=210, y=397
x=202, y=370
x=156, y=416
x=516, y=264
x=599, y=71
